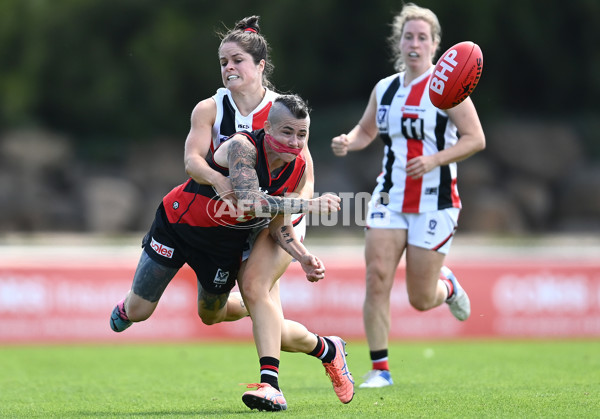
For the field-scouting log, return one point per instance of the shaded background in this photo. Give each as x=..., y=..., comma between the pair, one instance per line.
x=96, y=98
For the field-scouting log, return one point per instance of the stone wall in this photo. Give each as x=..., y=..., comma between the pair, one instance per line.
x=532, y=178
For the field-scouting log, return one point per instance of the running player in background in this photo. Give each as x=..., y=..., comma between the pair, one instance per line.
x=415, y=205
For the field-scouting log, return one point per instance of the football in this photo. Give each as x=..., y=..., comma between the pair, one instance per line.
x=455, y=75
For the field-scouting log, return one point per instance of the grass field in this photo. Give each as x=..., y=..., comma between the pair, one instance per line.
x=472, y=379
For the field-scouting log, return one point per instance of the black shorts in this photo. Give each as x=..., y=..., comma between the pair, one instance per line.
x=214, y=253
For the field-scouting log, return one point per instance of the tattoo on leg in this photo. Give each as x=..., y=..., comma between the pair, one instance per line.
x=212, y=302
x=151, y=278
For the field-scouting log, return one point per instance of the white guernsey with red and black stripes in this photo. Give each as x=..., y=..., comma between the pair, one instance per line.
x=229, y=120
x=411, y=126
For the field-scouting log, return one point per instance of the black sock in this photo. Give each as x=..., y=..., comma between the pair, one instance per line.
x=269, y=371
x=379, y=359
x=325, y=349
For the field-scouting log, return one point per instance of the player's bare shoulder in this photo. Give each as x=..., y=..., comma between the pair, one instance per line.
x=205, y=112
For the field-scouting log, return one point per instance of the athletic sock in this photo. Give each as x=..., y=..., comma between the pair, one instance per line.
x=379, y=359
x=325, y=349
x=449, y=285
x=121, y=310
x=269, y=371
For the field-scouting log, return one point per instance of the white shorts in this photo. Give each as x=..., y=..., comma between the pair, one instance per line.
x=299, y=229
x=430, y=230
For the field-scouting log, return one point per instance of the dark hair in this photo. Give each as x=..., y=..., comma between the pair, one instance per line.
x=246, y=34
x=293, y=103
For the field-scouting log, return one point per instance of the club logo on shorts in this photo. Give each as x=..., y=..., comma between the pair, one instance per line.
x=432, y=226
x=161, y=249
x=378, y=215
x=221, y=277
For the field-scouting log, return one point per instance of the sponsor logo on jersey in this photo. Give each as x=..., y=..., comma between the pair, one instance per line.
x=413, y=109
x=431, y=190
x=221, y=277
x=243, y=126
x=161, y=249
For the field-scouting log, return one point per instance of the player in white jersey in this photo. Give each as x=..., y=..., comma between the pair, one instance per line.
x=415, y=205
x=230, y=120
x=411, y=126
x=244, y=104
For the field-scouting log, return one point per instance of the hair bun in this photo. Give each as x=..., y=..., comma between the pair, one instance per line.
x=248, y=24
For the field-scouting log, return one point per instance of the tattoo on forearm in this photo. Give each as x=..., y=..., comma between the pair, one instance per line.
x=286, y=236
x=276, y=205
x=242, y=159
x=284, y=239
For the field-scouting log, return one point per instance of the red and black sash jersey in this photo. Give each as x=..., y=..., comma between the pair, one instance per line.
x=196, y=205
x=286, y=180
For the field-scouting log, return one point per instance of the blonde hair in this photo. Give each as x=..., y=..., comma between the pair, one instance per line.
x=411, y=11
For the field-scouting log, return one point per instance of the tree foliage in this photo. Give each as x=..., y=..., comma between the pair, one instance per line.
x=134, y=69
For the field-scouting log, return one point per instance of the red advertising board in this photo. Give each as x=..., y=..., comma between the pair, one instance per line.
x=67, y=302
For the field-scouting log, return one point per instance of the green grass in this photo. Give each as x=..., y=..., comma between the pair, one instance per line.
x=466, y=379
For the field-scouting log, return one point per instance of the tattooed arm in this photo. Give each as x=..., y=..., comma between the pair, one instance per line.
x=239, y=155
x=241, y=160
x=284, y=235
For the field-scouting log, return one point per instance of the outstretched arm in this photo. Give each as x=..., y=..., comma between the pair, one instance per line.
x=361, y=135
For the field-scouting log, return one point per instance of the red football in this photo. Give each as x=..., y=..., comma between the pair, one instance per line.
x=455, y=75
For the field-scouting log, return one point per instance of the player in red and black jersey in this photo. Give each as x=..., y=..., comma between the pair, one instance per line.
x=197, y=214
x=243, y=104
x=194, y=225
